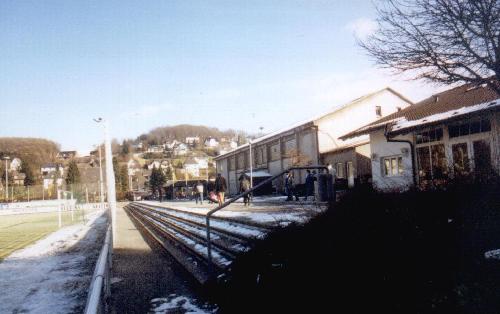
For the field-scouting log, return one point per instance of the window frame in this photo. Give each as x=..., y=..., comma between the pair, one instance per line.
x=388, y=171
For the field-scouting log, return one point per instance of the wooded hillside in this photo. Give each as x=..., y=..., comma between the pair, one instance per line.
x=180, y=132
x=36, y=151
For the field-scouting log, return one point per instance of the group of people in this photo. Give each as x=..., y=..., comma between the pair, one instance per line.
x=310, y=186
x=216, y=191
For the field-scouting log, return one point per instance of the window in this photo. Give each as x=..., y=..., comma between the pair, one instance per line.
x=290, y=147
x=378, y=111
x=482, y=157
x=232, y=163
x=461, y=164
x=469, y=127
x=393, y=166
x=340, y=170
x=241, y=161
x=275, y=151
x=432, y=163
x=432, y=135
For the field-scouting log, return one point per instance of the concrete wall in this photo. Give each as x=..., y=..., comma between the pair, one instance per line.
x=356, y=115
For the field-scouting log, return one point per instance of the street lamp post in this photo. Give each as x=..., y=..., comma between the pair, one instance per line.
x=6, y=158
x=251, y=162
x=110, y=175
x=101, y=188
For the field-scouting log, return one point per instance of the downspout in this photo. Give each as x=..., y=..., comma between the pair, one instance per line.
x=412, y=150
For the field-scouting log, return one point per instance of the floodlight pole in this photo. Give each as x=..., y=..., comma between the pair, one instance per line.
x=110, y=175
x=6, y=158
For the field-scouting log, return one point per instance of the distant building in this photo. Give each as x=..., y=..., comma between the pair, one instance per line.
x=155, y=149
x=211, y=142
x=315, y=142
x=192, y=140
x=181, y=149
x=193, y=165
x=18, y=178
x=172, y=144
x=50, y=168
x=65, y=155
x=15, y=164
x=133, y=166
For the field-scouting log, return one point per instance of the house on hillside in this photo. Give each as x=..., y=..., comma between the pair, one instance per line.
x=193, y=165
x=18, y=178
x=65, y=155
x=159, y=164
x=133, y=166
x=211, y=142
x=50, y=168
x=171, y=144
x=181, y=149
x=315, y=141
x=192, y=140
x=155, y=149
x=451, y=134
x=15, y=164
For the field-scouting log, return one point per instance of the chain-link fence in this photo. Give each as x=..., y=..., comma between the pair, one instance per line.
x=83, y=193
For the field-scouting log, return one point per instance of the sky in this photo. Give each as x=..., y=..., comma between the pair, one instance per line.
x=144, y=64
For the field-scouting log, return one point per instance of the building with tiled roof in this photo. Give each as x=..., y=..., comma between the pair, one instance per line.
x=450, y=134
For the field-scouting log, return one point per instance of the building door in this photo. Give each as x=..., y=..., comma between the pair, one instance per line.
x=482, y=157
x=350, y=174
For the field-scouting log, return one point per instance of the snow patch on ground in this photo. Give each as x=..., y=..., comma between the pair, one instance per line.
x=52, y=275
x=179, y=304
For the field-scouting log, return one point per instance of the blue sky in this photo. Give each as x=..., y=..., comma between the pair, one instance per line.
x=144, y=64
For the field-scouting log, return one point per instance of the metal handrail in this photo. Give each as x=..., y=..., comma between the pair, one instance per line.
x=232, y=200
x=101, y=278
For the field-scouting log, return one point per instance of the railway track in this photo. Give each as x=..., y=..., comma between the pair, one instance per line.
x=183, y=235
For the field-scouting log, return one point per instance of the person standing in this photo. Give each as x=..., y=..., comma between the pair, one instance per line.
x=199, y=192
x=220, y=188
x=290, y=187
x=245, y=186
x=310, y=178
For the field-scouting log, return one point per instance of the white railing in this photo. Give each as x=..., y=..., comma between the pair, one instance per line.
x=100, y=286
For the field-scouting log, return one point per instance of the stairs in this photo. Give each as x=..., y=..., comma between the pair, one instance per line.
x=183, y=235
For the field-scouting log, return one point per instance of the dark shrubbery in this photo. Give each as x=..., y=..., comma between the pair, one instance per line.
x=417, y=252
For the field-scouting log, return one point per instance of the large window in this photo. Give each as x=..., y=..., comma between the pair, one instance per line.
x=432, y=163
x=469, y=127
x=275, y=151
x=393, y=166
x=340, y=170
x=232, y=163
x=461, y=165
x=432, y=135
x=291, y=147
x=482, y=157
x=241, y=160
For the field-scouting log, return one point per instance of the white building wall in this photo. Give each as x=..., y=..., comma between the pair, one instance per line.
x=380, y=148
x=356, y=115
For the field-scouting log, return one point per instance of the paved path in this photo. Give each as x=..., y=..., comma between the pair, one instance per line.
x=142, y=272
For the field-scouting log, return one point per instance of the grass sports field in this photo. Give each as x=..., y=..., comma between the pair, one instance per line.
x=18, y=231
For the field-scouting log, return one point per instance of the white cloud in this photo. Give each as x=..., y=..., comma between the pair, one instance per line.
x=362, y=27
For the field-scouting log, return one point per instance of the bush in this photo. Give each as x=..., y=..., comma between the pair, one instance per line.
x=417, y=252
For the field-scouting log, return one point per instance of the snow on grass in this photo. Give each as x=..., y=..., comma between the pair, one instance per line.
x=52, y=275
x=179, y=304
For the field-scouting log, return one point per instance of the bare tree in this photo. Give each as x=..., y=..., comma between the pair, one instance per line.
x=443, y=41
